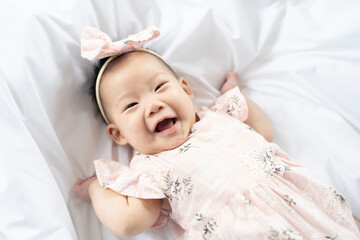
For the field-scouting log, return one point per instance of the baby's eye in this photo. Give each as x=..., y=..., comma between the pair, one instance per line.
x=130, y=105
x=159, y=86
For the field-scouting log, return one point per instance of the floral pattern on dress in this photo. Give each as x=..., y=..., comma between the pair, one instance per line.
x=317, y=236
x=270, y=166
x=230, y=107
x=284, y=234
x=233, y=104
x=335, y=205
x=209, y=224
x=250, y=128
x=177, y=187
x=185, y=148
x=104, y=184
x=289, y=199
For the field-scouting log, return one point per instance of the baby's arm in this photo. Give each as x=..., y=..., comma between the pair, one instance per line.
x=122, y=215
x=256, y=117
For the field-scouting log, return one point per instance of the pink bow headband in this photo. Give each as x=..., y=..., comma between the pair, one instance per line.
x=97, y=45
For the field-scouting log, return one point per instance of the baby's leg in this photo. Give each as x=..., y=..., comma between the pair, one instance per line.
x=232, y=80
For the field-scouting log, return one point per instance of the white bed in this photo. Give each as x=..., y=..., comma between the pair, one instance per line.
x=299, y=60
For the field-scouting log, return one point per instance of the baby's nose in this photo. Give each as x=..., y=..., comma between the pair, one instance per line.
x=154, y=107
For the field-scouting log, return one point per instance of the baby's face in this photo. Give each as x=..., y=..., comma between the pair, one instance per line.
x=148, y=107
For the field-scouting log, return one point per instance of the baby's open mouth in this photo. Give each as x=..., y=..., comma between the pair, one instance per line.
x=165, y=124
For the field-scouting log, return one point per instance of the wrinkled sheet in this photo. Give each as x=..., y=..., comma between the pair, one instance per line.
x=299, y=61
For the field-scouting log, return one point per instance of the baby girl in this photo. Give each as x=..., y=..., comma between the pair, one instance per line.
x=211, y=173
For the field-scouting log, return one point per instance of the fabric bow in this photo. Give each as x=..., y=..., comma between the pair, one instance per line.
x=97, y=45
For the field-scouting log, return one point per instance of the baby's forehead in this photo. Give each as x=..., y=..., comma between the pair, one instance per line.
x=132, y=66
x=139, y=58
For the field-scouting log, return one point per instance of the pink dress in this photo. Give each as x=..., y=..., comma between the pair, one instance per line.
x=227, y=182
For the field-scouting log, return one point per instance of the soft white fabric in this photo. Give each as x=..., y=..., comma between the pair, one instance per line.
x=299, y=61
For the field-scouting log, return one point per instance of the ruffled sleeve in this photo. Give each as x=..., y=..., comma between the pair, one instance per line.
x=125, y=180
x=232, y=103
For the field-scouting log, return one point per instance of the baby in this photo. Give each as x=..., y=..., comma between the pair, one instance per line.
x=210, y=174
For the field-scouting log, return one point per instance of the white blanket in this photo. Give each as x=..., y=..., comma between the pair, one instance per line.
x=299, y=61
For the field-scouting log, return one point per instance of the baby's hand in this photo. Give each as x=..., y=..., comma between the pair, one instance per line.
x=232, y=80
x=82, y=188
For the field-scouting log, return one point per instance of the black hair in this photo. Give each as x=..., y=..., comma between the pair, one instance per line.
x=92, y=89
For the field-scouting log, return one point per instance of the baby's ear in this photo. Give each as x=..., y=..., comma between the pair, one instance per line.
x=115, y=134
x=186, y=87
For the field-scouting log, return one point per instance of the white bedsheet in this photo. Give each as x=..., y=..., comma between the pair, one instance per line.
x=299, y=61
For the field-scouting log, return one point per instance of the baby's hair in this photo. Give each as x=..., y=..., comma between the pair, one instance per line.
x=97, y=67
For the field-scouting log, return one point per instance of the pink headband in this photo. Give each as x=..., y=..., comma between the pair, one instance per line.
x=97, y=45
